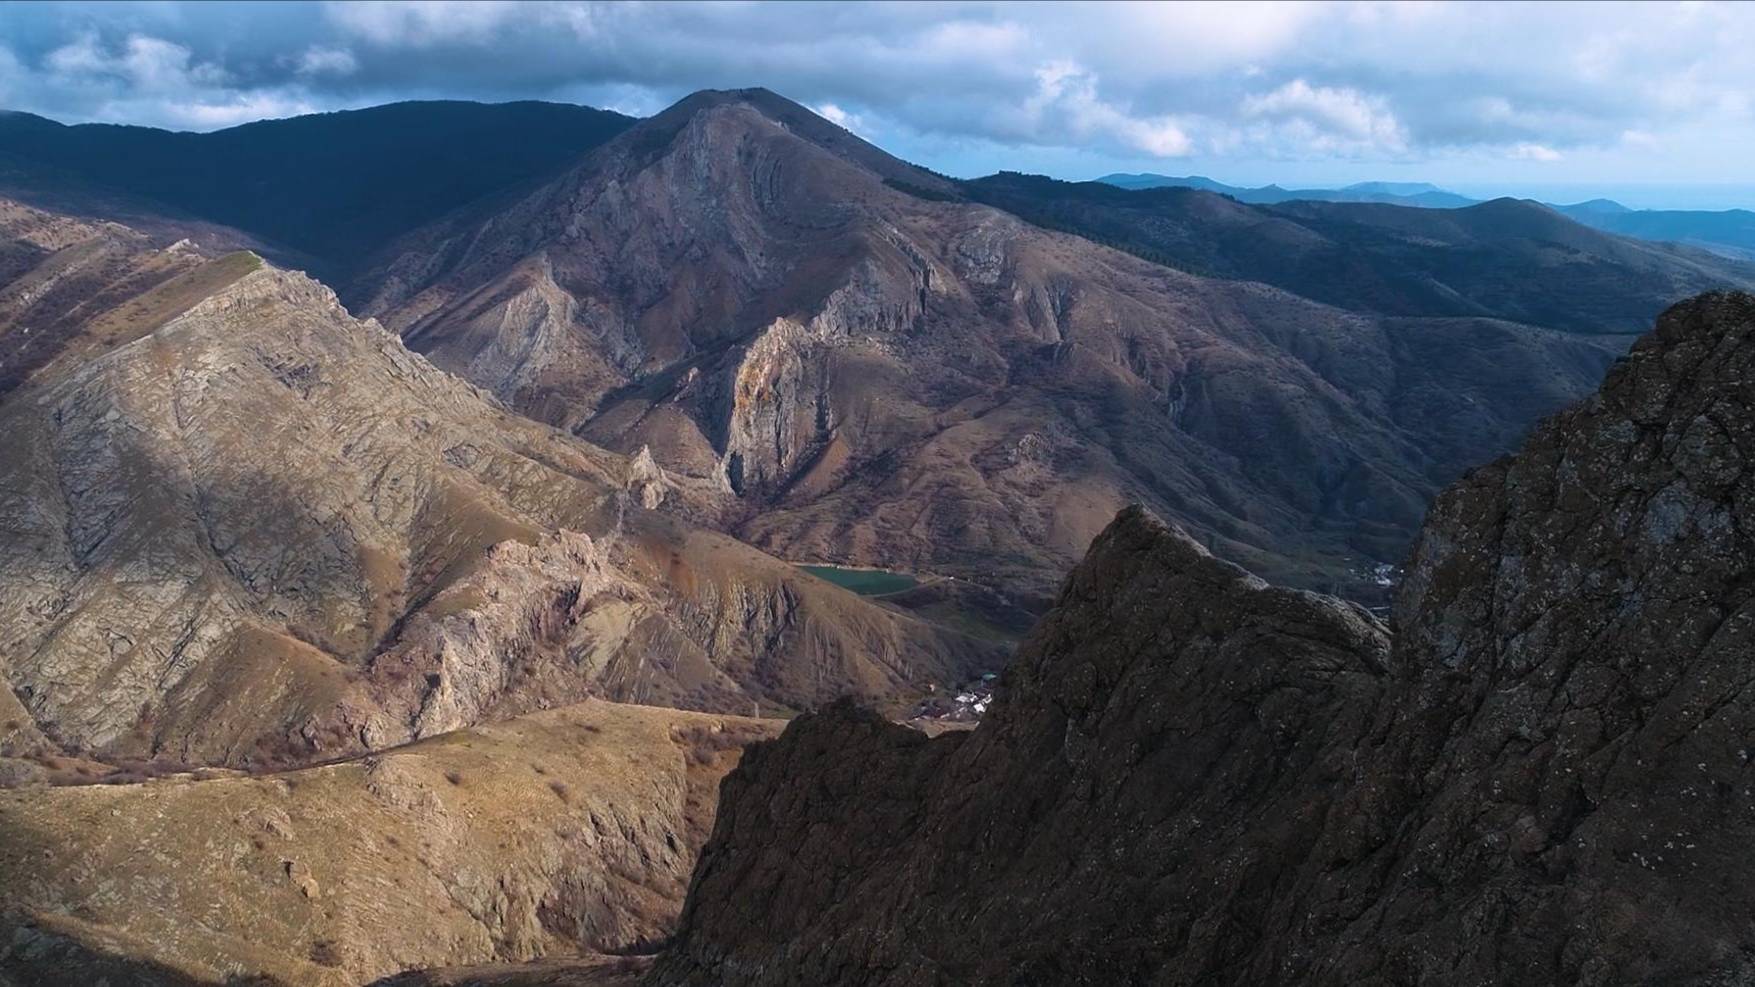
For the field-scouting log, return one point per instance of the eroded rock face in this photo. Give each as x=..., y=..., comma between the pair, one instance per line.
x=1582, y=622
x=71, y=286
x=1190, y=777
x=264, y=532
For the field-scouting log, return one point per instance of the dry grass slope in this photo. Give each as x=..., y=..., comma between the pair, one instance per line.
x=560, y=832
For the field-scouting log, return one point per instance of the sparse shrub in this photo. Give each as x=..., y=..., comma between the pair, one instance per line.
x=561, y=791
x=129, y=772
x=703, y=742
x=454, y=777
x=325, y=953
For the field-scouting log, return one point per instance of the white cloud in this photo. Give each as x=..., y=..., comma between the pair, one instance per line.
x=149, y=79
x=1066, y=108
x=13, y=75
x=235, y=110
x=145, y=63
x=1183, y=40
x=80, y=57
x=318, y=60
x=1330, y=118
x=840, y=118
x=971, y=40
x=1528, y=151
x=422, y=23
x=1397, y=83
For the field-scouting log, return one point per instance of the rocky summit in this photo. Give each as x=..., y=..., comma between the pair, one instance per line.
x=1190, y=776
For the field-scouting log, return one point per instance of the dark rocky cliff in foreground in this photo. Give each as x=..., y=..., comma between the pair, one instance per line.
x=1193, y=777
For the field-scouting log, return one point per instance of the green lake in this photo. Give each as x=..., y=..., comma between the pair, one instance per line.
x=865, y=582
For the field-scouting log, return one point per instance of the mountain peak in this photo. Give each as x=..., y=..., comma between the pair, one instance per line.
x=1393, y=188
x=1146, y=572
x=765, y=100
x=649, y=137
x=1595, y=206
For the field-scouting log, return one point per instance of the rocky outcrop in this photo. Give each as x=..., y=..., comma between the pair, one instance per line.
x=263, y=532
x=780, y=411
x=1166, y=723
x=1189, y=776
x=1581, y=619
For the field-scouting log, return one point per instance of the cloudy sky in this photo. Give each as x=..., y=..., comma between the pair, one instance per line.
x=1653, y=102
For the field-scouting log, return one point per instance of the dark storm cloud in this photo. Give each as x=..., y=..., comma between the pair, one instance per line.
x=1127, y=82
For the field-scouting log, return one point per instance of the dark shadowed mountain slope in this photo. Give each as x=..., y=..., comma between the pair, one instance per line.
x=1730, y=232
x=331, y=186
x=1190, y=777
x=1505, y=259
x=883, y=375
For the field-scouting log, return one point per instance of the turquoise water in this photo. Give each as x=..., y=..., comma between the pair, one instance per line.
x=865, y=582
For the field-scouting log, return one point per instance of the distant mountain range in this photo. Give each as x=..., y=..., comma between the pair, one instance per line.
x=1494, y=259
x=1728, y=232
x=1392, y=193
x=324, y=189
